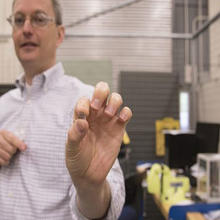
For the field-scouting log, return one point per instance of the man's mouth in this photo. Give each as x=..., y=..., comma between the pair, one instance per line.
x=28, y=44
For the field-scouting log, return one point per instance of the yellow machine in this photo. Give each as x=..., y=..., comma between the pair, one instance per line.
x=161, y=182
x=126, y=139
x=164, y=124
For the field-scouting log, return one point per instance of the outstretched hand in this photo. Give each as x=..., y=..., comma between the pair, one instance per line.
x=95, y=137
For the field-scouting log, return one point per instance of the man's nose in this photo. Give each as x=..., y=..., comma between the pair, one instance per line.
x=27, y=27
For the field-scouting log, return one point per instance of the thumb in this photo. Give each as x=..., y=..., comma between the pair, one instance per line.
x=75, y=135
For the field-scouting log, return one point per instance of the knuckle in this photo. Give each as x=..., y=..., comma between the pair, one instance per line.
x=4, y=162
x=4, y=155
x=2, y=133
x=7, y=157
x=11, y=150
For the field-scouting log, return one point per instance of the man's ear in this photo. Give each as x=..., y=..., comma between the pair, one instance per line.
x=60, y=34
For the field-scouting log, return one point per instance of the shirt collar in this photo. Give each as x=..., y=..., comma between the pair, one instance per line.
x=47, y=78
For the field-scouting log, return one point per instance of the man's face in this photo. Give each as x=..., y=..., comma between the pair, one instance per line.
x=36, y=45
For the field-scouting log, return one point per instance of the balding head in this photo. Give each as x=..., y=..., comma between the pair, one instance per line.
x=57, y=11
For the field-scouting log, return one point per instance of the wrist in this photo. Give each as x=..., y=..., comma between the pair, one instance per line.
x=93, y=202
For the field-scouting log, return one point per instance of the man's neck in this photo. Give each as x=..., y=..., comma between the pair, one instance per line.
x=32, y=70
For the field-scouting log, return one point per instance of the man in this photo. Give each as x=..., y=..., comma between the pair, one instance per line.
x=57, y=154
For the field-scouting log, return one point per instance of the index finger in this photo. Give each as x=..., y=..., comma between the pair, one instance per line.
x=14, y=140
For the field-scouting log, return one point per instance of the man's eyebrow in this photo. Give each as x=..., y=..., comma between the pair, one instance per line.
x=35, y=12
x=19, y=13
x=39, y=11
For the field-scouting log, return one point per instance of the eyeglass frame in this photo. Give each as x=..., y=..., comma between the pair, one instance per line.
x=47, y=20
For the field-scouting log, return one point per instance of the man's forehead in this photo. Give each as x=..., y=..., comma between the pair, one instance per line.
x=33, y=5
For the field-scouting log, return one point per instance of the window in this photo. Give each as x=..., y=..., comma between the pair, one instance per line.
x=184, y=110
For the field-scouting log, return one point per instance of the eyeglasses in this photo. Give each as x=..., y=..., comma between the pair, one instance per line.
x=37, y=20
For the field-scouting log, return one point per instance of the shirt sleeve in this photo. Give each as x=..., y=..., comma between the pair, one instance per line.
x=116, y=182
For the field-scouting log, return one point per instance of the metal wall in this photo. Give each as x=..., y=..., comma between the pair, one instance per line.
x=128, y=49
x=185, y=12
x=150, y=101
x=152, y=96
x=209, y=90
x=188, y=17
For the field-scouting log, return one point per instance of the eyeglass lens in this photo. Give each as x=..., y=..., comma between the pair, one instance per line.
x=37, y=20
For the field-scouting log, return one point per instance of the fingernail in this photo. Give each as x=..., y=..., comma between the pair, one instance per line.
x=109, y=110
x=123, y=116
x=96, y=104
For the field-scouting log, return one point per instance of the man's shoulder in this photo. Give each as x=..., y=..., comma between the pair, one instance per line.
x=72, y=83
x=11, y=93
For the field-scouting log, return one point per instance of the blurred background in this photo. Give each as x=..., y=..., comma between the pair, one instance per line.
x=163, y=56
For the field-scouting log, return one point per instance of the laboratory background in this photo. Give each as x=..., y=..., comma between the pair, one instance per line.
x=163, y=57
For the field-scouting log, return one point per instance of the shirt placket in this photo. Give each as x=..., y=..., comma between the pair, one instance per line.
x=22, y=127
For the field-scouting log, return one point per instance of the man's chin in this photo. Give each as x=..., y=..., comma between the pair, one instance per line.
x=27, y=56
x=27, y=59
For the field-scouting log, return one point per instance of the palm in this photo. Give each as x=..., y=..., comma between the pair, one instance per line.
x=99, y=148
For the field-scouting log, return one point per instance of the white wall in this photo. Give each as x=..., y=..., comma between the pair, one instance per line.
x=209, y=92
x=9, y=66
x=126, y=54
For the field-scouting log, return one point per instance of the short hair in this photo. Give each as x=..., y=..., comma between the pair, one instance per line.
x=57, y=11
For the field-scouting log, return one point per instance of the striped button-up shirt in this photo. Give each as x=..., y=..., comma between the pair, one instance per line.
x=36, y=183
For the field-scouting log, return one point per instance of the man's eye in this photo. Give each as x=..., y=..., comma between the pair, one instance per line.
x=19, y=21
x=40, y=20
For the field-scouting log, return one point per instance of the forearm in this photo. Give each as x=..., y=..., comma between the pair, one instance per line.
x=93, y=202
